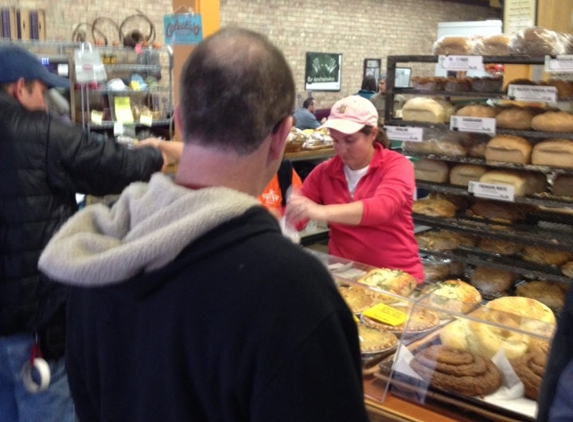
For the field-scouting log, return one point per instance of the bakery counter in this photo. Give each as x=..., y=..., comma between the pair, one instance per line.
x=314, y=154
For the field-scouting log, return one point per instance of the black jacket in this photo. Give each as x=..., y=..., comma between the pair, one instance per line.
x=43, y=163
x=242, y=326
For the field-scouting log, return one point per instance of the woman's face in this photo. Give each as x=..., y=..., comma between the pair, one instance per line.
x=355, y=150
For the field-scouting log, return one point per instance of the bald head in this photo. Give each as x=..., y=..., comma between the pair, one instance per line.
x=235, y=88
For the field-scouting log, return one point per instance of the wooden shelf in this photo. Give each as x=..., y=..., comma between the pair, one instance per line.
x=310, y=154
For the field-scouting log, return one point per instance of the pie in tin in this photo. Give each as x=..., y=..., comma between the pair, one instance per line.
x=373, y=340
x=420, y=320
x=358, y=299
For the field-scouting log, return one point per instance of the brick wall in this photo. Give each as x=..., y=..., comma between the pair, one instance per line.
x=358, y=29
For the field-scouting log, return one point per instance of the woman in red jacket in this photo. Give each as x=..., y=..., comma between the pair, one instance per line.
x=365, y=193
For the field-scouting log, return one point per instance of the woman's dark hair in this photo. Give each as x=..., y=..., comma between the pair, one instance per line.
x=369, y=83
x=381, y=137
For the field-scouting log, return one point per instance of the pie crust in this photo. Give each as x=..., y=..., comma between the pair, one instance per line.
x=357, y=298
x=393, y=281
x=373, y=340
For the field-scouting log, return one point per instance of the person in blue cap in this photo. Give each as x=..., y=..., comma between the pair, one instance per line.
x=44, y=163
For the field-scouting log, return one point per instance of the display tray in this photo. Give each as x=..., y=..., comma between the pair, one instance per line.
x=419, y=391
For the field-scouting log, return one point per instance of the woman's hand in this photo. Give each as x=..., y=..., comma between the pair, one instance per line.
x=301, y=208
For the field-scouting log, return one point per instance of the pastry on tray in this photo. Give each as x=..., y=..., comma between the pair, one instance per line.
x=457, y=371
x=529, y=368
x=393, y=281
x=451, y=296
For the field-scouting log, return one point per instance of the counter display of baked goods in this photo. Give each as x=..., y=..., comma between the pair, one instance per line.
x=489, y=362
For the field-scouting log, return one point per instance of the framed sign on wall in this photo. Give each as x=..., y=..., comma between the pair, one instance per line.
x=372, y=68
x=323, y=71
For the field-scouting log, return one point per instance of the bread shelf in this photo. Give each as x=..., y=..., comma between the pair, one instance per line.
x=507, y=263
x=528, y=234
x=499, y=131
x=545, y=199
x=483, y=162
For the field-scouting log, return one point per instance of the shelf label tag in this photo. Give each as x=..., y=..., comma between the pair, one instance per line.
x=117, y=128
x=96, y=117
x=146, y=119
x=386, y=314
x=532, y=93
x=400, y=133
x=492, y=191
x=559, y=63
x=473, y=124
x=461, y=63
x=123, y=112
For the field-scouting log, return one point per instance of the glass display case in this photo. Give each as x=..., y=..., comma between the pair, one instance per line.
x=444, y=347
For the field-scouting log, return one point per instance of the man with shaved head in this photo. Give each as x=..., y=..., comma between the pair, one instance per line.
x=186, y=302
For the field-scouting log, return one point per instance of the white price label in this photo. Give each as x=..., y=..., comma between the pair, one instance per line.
x=400, y=133
x=532, y=93
x=473, y=124
x=492, y=191
x=96, y=117
x=461, y=63
x=559, y=63
x=117, y=128
x=146, y=119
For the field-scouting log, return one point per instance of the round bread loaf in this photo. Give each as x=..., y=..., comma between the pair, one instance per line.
x=477, y=110
x=515, y=118
x=546, y=256
x=567, y=269
x=434, y=207
x=453, y=45
x=509, y=149
x=457, y=370
x=491, y=281
x=497, y=211
x=441, y=240
x=499, y=246
x=423, y=109
x=537, y=41
x=431, y=170
x=564, y=88
x=562, y=185
x=553, y=121
x=492, y=45
x=524, y=182
x=553, y=153
x=548, y=293
x=463, y=174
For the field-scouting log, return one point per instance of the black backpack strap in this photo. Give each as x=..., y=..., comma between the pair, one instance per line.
x=285, y=179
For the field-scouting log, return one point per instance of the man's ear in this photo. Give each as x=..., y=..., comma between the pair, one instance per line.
x=278, y=138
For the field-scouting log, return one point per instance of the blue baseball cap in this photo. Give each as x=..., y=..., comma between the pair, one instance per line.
x=16, y=63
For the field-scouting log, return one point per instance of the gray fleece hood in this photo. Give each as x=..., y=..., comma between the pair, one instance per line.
x=149, y=225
